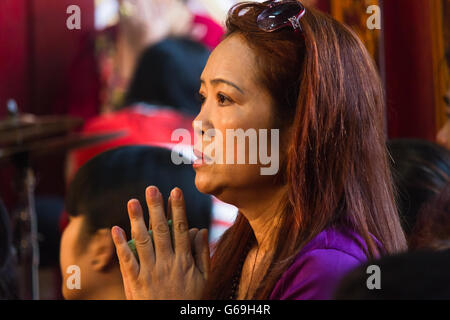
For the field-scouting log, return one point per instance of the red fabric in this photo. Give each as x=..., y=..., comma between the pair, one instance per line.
x=408, y=70
x=14, y=54
x=81, y=97
x=143, y=126
x=213, y=32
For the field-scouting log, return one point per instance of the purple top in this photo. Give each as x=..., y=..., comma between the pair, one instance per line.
x=320, y=265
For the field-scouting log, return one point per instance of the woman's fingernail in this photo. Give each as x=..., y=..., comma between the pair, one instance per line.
x=117, y=233
x=153, y=192
x=176, y=194
x=132, y=207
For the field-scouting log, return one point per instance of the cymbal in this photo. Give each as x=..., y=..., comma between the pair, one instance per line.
x=58, y=144
x=20, y=129
x=20, y=121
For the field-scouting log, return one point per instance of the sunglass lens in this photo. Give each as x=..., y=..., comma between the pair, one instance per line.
x=273, y=18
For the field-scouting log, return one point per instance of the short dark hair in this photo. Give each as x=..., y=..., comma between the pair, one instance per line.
x=168, y=74
x=409, y=276
x=102, y=187
x=432, y=229
x=421, y=169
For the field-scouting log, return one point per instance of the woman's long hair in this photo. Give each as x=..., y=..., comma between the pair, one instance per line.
x=326, y=89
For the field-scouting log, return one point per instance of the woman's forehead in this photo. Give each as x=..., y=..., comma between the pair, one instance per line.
x=232, y=60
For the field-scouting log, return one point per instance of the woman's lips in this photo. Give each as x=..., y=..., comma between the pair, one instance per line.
x=201, y=159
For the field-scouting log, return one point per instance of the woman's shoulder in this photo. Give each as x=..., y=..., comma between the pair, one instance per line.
x=340, y=239
x=318, y=267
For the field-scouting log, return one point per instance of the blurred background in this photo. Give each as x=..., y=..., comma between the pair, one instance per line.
x=77, y=76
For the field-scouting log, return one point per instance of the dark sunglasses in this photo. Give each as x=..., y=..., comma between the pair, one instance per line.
x=280, y=14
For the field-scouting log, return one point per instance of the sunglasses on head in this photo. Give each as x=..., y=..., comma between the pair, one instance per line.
x=280, y=14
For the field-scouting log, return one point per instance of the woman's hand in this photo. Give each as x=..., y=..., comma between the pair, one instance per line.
x=165, y=271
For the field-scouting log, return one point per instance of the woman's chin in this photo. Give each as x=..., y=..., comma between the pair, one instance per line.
x=205, y=184
x=202, y=184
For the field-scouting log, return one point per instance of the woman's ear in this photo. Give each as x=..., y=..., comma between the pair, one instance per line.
x=101, y=250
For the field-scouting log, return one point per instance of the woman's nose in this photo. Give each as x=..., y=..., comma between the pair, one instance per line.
x=443, y=137
x=202, y=122
x=198, y=127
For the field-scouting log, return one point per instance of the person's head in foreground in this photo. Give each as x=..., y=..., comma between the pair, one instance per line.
x=330, y=204
x=96, y=201
x=421, y=170
x=410, y=276
x=432, y=229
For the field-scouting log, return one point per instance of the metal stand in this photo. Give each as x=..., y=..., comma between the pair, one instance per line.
x=26, y=229
x=30, y=183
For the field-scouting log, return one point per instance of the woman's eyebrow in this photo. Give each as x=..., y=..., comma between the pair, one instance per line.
x=216, y=81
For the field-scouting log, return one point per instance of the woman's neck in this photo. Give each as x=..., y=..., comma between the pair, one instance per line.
x=264, y=214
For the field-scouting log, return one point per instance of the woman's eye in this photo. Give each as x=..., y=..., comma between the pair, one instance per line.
x=223, y=100
x=201, y=98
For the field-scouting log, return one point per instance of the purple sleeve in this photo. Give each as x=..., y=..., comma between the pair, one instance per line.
x=314, y=275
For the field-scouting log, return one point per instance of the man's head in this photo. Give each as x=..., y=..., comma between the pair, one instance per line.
x=167, y=74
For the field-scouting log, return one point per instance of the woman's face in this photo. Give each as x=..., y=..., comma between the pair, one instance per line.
x=233, y=99
x=443, y=136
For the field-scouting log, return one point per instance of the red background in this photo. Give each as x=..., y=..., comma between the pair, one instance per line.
x=37, y=54
x=37, y=51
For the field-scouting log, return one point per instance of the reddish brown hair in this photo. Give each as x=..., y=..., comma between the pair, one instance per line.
x=326, y=88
